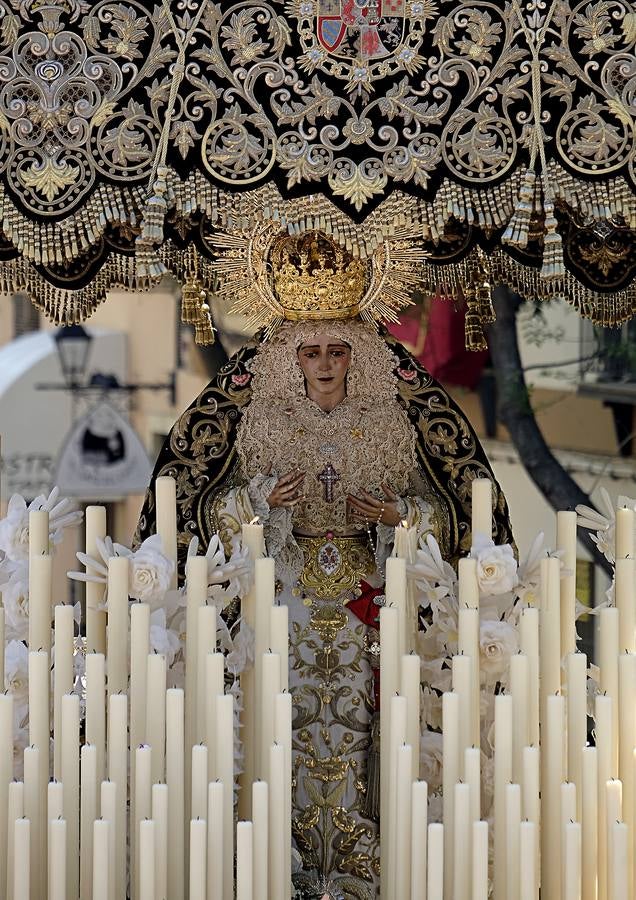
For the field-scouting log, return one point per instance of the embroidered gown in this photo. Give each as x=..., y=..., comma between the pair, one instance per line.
x=329, y=571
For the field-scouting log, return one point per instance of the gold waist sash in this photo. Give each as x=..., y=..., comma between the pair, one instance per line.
x=334, y=565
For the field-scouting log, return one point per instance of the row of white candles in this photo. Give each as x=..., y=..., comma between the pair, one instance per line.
x=574, y=838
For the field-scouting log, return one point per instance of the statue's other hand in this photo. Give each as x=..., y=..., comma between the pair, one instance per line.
x=374, y=510
x=287, y=490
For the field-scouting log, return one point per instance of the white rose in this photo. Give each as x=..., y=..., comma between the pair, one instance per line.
x=431, y=759
x=16, y=669
x=14, y=529
x=150, y=572
x=496, y=568
x=497, y=642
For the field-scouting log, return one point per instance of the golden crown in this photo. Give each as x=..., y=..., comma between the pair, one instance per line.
x=314, y=278
x=270, y=276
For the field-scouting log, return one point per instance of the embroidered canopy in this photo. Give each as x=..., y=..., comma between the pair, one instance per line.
x=497, y=135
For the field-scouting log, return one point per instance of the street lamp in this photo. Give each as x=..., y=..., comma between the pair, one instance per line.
x=73, y=344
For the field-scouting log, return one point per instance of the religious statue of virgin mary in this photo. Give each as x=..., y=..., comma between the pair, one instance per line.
x=329, y=432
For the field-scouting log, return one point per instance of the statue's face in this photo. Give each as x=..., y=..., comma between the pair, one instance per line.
x=324, y=361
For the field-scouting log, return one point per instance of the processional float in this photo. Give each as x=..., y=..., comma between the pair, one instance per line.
x=136, y=797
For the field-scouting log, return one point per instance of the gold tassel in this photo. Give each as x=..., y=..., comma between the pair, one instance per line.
x=553, y=266
x=473, y=330
x=203, y=328
x=148, y=263
x=483, y=289
x=191, y=300
x=518, y=227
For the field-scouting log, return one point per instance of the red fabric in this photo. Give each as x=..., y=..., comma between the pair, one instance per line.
x=444, y=353
x=369, y=614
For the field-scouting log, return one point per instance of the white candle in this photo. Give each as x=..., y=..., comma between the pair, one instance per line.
x=480, y=861
x=147, y=860
x=528, y=870
x=278, y=877
x=159, y=815
x=530, y=785
x=264, y=588
x=405, y=547
x=468, y=645
x=166, y=505
x=58, y=861
x=608, y=665
x=450, y=775
x=88, y=814
x=397, y=737
x=198, y=840
x=118, y=773
x=15, y=811
x=568, y=814
x=619, y=861
x=55, y=800
x=552, y=774
x=481, y=514
x=613, y=814
x=244, y=861
x=603, y=716
x=589, y=822
x=38, y=533
x=403, y=823
x=436, y=866
x=529, y=645
x=216, y=851
x=624, y=588
x=389, y=685
x=513, y=850
x=214, y=685
x=627, y=732
x=34, y=811
x=224, y=756
x=199, y=800
x=39, y=737
x=196, y=597
x=419, y=833
x=472, y=777
x=139, y=650
x=62, y=676
x=410, y=687
x=503, y=776
x=283, y=736
x=252, y=538
x=468, y=584
x=462, y=844
x=142, y=796
x=96, y=709
x=40, y=605
x=279, y=641
x=117, y=625
x=549, y=632
x=71, y=782
x=175, y=741
x=156, y=713
x=260, y=816
x=624, y=533
x=395, y=590
x=100, y=869
x=95, y=518
x=270, y=687
x=206, y=643
x=576, y=711
x=462, y=681
x=108, y=805
x=519, y=673
x=566, y=542
x=22, y=871
x=6, y=772
x=572, y=861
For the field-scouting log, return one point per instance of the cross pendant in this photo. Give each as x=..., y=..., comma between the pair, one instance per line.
x=328, y=477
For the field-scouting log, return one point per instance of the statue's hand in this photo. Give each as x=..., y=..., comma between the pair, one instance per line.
x=287, y=490
x=375, y=511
